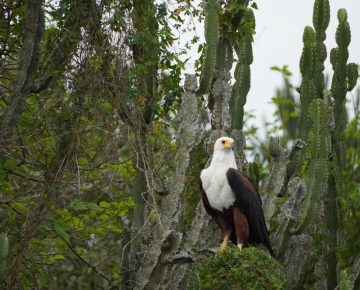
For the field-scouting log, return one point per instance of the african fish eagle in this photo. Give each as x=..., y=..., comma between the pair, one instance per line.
x=232, y=199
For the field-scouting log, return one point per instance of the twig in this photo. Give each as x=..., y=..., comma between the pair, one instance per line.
x=86, y=262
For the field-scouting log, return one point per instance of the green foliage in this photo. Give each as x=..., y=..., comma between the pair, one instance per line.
x=249, y=268
x=344, y=281
x=349, y=201
x=88, y=218
x=287, y=108
x=66, y=178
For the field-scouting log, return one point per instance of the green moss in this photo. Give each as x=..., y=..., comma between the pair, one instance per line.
x=250, y=268
x=191, y=194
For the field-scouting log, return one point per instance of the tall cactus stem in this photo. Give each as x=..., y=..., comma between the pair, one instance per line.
x=211, y=37
x=242, y=73
x=307, y=68
x=316, y=179
x=321, y=19
x=344, y=79
x=352, y=75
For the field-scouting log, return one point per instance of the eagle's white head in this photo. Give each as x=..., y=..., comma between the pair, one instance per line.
x=223, y=144
x=223, y=154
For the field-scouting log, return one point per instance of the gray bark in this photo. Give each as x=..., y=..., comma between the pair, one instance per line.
x=221, y=93
x=166, y=253
x=277, y=182
x=160, y=237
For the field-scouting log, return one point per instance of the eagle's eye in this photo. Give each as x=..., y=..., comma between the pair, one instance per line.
x=223, y=141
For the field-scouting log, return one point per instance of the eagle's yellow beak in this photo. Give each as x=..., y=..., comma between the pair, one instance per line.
x=227, y=144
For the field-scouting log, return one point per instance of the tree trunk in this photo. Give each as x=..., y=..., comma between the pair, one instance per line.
x=28, y=63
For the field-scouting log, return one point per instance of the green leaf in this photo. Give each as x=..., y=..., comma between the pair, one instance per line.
x=104, y=204
x=60, y=231
x=59, y=257
x=79, y=205
x=9, y=164
x=31, y=100
x=104, y=217
x=106, y=106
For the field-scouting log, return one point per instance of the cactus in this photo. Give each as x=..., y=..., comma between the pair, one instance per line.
x=351, y=75
x=241, y=86
x=221, y=91
x=344, y=79
x=325, y=148
x=224, y=58
x=307, y=68
x=211, y=37
x=321, y=19
x=331, y=216
x=316, y=178
x=321, y=15
x=4, y=251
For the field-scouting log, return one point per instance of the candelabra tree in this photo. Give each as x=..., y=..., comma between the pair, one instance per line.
x=307, y=224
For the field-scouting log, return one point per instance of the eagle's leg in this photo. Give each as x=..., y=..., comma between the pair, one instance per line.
x=224, y=244
x=226, y=229
x=241, y=227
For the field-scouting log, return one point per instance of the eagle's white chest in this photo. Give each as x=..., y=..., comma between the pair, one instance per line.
x=216, y=186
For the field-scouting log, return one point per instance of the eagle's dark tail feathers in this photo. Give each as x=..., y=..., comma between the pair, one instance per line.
x=248, y=200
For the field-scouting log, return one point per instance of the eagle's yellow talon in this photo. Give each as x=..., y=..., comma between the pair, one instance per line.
x=224, y=244
x=223, y=248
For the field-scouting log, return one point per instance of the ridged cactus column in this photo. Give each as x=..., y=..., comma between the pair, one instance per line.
x=308, y=90
x=344, y=79
x=241, y=86
x=316, y=177
x=211, y=37
x=221, y=90
x=321, y=19
x=316, y=208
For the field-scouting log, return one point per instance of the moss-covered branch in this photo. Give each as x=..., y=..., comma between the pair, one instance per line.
x=4, y=251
